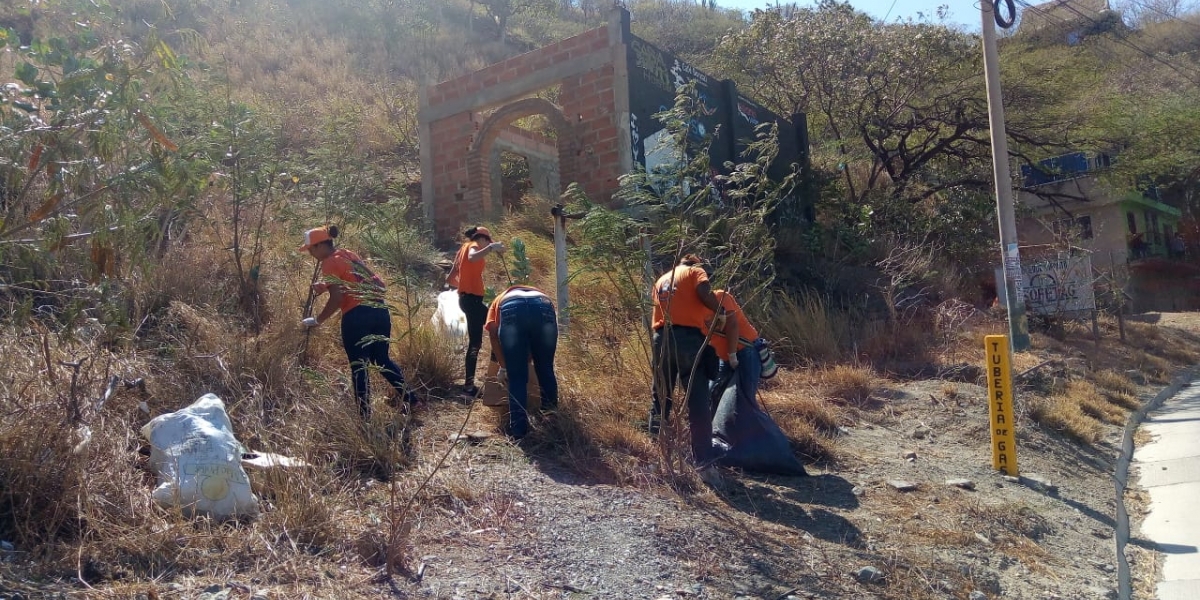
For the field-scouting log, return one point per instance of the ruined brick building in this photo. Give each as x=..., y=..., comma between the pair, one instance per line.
x=606, y=85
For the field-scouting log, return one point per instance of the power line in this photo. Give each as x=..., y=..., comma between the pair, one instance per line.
x=1116, y=37
x=1169, y=16
x=1125, y=41
x=889, y=11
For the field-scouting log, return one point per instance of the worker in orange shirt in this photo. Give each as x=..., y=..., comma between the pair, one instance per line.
x=466, y=275
x=683, y=305
x=521, y=325
x=366, y=322
x=737, y=344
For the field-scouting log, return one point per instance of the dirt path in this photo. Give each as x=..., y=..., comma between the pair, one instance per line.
x=522, y=524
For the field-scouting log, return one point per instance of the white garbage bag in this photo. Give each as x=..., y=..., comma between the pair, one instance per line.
x=449, y=318
x=199, y=461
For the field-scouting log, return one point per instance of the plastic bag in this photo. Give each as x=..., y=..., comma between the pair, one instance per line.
x=755, y=442
x=198, y=462
x=449, y=318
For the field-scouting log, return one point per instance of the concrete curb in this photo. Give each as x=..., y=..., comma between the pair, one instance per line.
x=1121, y=476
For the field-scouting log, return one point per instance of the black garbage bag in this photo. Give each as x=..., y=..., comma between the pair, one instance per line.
x=755, y=442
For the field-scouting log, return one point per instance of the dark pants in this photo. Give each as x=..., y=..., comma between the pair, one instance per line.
x=675, y=352
x=363, y=322
x=476, y=312
x=528, y=328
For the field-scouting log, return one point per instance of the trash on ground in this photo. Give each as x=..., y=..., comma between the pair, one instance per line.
x=198, y=462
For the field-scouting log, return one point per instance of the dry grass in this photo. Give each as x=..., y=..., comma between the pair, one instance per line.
x=1112, y=381
x=193, y=340
x=1066, y=417
x=1094, y=403
x=950, y=390
x=848, y=384
x=1157, y=369
x=806, y=328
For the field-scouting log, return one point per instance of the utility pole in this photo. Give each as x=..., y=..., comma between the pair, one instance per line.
x=1010, y=254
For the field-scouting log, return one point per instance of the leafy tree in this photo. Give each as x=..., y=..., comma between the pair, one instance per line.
x=84, y=144
x=500, y=11
x=897, y=112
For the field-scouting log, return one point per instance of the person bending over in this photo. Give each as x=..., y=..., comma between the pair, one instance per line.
x=521, y=324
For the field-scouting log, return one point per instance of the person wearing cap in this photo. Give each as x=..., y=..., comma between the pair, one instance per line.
x=522, y=324
x=366, y=322
x=683, y=306
x=466, y=275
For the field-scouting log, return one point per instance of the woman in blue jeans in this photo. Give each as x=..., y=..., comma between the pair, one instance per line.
x=522, y=324
x=358, y=294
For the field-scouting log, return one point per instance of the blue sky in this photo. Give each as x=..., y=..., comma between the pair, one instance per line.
x=961, y=12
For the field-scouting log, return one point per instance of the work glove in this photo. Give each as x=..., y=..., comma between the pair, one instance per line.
x=502, y=376
x=497, y=247
x=310, y=322
x=733, y=362
x=320, y=288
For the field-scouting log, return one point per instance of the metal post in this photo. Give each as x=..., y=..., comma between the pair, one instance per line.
x=560, y=265
x=1018, y=325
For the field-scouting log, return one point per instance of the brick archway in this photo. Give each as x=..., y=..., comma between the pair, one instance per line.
x=479, y=182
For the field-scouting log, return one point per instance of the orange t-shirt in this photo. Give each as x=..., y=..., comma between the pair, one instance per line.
x=493, y=316
x=470, y=274
x=676, y=299
x=746, y=331
x=358, y=282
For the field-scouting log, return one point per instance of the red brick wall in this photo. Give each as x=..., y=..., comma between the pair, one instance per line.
x=451, y=139
x=587, y=101
x=587, y=153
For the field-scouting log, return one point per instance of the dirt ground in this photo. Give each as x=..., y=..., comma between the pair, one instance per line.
x=508, y=521
x=525, y=525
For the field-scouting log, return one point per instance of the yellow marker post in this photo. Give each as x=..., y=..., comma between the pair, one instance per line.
x=1000, y=403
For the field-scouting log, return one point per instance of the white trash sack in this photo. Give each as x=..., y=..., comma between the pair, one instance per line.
x=449, y=318
x=199, y=462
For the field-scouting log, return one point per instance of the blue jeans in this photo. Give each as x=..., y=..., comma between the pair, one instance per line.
x=528, y=328
x=675, y=352
x=359, y=323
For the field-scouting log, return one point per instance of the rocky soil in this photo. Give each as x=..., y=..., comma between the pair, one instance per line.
x=911, y=509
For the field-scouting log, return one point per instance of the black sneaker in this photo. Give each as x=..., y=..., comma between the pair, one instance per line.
x=470, y=390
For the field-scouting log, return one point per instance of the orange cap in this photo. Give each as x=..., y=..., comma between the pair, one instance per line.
x=481, y=230
x=312, y=237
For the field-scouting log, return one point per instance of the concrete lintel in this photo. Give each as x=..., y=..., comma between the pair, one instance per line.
x=504, y=144
x=512, y=90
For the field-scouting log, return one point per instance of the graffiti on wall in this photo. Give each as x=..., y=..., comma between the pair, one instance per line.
x=725, y=122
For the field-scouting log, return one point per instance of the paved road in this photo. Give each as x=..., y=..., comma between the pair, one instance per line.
x=1169, y=469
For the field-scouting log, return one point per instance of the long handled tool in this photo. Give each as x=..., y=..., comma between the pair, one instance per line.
x=308, y=306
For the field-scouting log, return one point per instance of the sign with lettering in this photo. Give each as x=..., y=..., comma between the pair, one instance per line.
x=1060, y=287
x=655, y=77
x=1000, y=404
x=724, y=121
